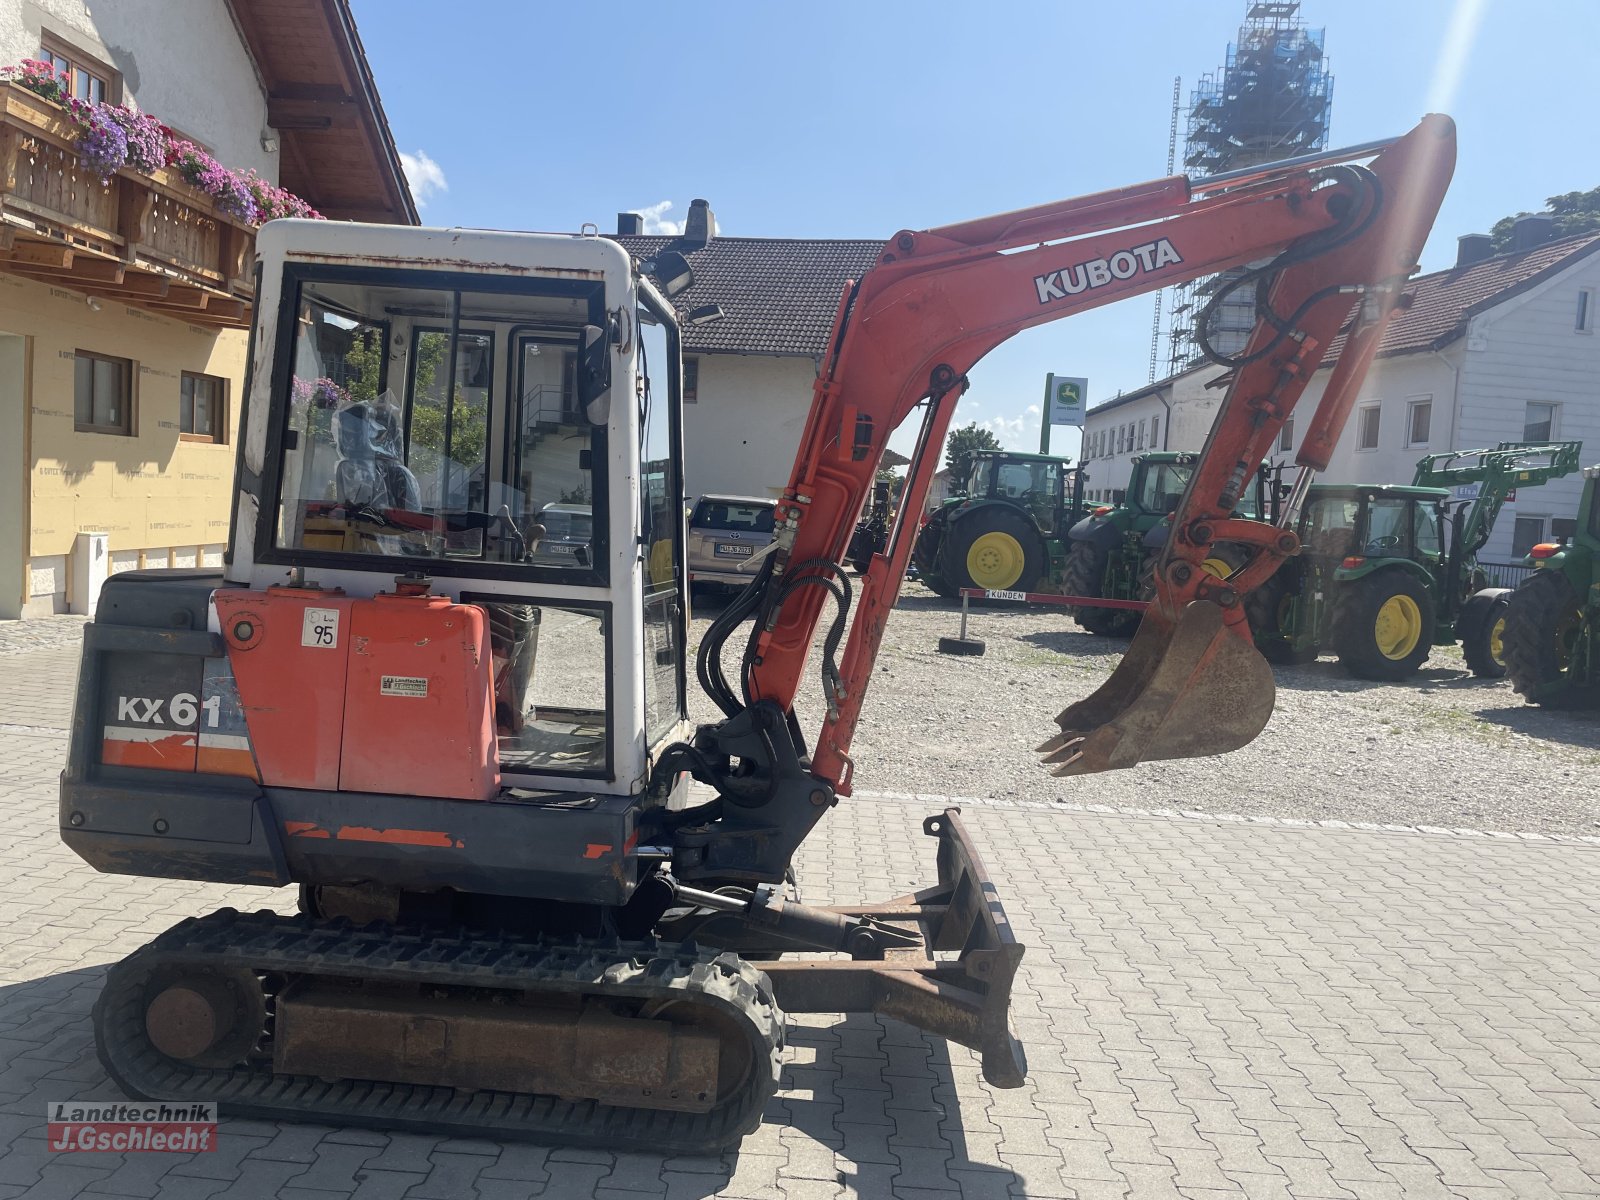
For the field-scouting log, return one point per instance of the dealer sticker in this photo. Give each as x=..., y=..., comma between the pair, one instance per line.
x=999, y=594
x=403, y=685
x=320, y=628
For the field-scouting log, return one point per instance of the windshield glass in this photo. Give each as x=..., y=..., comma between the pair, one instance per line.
x=1388, y=529
x=978, y=479
x=437, y=423
x=732, y=516
x=1163, y=487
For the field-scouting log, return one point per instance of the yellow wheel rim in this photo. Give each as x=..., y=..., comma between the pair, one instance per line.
x=1398, y=628
x=995, y=560
x=1497, y=642
x=1218, y=567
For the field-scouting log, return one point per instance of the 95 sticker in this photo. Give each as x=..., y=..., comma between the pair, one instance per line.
x=320, y=628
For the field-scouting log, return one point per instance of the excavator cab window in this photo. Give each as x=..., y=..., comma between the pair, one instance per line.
x=436, y=419
x=661, y=527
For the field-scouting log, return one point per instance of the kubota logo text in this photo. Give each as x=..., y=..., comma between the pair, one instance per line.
x=1098, y=272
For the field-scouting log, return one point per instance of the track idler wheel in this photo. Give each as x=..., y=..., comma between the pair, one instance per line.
x=205, y=1019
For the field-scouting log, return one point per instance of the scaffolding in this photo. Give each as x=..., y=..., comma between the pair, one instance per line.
x=1271, y=99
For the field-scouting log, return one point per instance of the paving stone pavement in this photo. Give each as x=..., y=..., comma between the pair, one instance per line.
x=1211, y=1009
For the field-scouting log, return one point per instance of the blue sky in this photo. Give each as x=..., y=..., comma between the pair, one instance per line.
x=856, y=119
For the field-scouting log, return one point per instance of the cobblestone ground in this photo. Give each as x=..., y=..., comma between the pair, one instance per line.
x=1212, y=1009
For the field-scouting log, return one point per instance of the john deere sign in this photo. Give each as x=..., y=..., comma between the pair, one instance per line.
x=1064, y=396
x=1065, y=399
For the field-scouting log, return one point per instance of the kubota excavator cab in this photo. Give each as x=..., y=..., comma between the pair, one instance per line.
x=418, y=401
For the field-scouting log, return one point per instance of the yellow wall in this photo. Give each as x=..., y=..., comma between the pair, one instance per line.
x=151, y=492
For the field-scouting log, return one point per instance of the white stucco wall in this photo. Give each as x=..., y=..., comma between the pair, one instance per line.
x=742, y=433
x=1109, y=468
x=181, y=60
x=1182, y=412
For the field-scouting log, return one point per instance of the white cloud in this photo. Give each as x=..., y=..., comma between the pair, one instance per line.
x=655, y=219
x=425, y=176
x=656, y=222
x=1015, y=433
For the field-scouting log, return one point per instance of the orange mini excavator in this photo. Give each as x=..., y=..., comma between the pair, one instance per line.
x=440, y=683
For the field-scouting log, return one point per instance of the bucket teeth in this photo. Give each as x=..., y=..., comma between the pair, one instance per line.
x=1183, y=690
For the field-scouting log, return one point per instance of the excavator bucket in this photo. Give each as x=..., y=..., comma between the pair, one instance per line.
x=1184, y=689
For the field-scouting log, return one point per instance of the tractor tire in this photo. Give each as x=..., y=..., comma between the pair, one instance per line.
x=996, y=549
x=1543, y=620
x=1483, y=632
x=1085, y=575
x=927, y=554
x=1383, y=626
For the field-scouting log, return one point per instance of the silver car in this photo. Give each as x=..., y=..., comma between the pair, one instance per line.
x=725, y=535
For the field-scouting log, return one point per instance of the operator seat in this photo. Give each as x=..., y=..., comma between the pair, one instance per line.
x=370, y=473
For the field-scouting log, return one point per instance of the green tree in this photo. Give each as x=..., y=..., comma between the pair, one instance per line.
x=1574, y=213
x=469, y=423
x=963, y=444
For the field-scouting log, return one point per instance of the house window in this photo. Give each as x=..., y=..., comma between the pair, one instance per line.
x=1585, y=323
x=87, y=78
x=1527, y=534
x=1539, y=421
x=1419, y=415
x=1562, y=528
x=1141, y=435
x=691, y=381
x=1286, y=435
x=1155, y=424
x=1367, y=428
x=102, y=394
x=202, y=408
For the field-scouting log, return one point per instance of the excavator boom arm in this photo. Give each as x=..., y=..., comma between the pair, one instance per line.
x=938, y=300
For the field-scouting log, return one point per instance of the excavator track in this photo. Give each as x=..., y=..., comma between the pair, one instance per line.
x=282, y=953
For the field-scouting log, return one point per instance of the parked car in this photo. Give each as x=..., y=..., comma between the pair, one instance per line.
x=568, y=536
x=725, y=535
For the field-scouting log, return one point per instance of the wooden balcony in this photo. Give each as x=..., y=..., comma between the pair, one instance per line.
x=146, y=240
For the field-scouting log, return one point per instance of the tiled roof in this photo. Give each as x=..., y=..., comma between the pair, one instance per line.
x=778, y=295
x=1443, y=303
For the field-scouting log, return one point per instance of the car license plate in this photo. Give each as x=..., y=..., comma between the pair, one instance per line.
x=733, y=550
x=560, y=548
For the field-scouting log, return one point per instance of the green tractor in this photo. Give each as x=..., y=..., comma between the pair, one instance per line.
x=1002, y=530
x=1387, y=572
x=1112, y=550
x=1550, y=647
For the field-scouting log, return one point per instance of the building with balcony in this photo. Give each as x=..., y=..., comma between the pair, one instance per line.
x=125, y=296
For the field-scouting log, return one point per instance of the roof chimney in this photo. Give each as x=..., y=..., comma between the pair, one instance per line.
x=629, y=224
x=1473, y=248
x=1530, y=230
x=700, y=226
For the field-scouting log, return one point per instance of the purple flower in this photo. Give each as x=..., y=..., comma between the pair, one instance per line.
x=323, y=392
x=103, y=144
x=147, y=138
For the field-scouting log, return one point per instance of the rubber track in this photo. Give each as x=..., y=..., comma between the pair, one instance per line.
x=271, y=944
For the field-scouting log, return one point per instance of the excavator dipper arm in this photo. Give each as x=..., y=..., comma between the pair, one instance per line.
x=1334, y=236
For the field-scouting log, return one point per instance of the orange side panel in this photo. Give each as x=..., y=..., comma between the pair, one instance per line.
x=289, y=648
x=419, y=714
x=163, y=751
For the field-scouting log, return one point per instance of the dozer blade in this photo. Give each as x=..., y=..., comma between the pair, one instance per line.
x=1182, y=690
